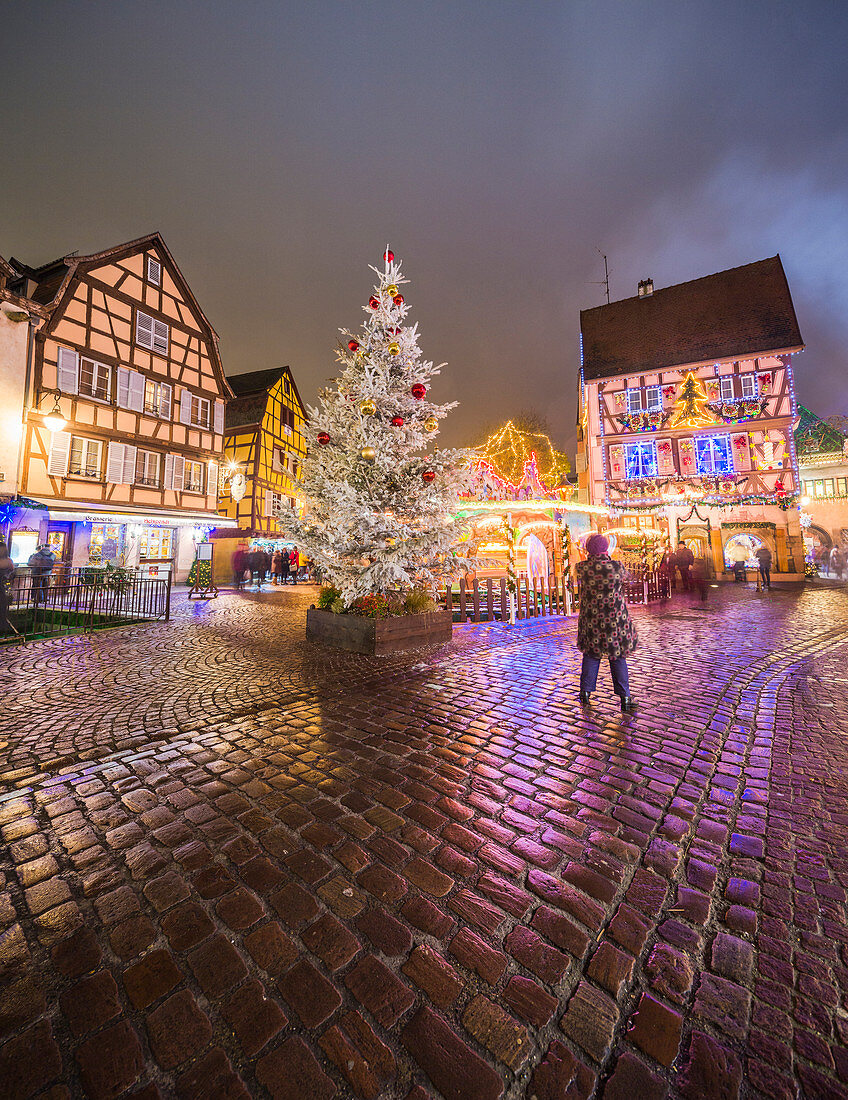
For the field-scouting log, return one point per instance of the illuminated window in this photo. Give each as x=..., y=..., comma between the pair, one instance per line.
x=713, y=454
x=726, y=384
x=647, y=400
x=200, y=411
x=193, y=477
x=640, y=459
x=147, y=468
x=842, y=486
x=819, y=488
x=749, y=386
x=828, y=487
x=85, y=457
x=157, y=398
x=155, y=542
x=94, y=379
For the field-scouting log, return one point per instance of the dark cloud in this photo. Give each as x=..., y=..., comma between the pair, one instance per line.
x=497, y=146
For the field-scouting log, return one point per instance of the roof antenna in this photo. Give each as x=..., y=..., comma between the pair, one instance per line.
x=605, y=281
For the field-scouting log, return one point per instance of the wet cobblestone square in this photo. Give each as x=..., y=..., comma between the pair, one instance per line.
x=235, y=864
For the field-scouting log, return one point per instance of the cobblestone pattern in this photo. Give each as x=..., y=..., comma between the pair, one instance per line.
x=236, y=865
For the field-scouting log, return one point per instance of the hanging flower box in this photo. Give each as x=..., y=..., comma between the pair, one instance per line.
x=364, y=634
x=643, y=421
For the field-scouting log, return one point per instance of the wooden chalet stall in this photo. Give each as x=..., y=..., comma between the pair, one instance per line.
x=131, y=364
x=264, y=449
x=687, y=406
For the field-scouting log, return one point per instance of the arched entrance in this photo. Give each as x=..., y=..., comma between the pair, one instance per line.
x=747, y=541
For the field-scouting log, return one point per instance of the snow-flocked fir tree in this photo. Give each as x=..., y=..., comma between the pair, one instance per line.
x=378, y=498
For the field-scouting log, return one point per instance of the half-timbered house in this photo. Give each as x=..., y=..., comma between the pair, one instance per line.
x=264, y=448
x=129, y=361
x=686, y=412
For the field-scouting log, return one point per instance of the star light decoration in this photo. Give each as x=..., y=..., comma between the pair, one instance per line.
x=511, y=453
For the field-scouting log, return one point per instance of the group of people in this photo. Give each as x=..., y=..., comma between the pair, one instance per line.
x=254, y=566
x=692, y=570
x=833, y=561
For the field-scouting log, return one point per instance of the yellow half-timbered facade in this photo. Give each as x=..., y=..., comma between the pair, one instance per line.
x=127, y=359
x=264, y=448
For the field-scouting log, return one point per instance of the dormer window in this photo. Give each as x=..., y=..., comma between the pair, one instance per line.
x=154, y=272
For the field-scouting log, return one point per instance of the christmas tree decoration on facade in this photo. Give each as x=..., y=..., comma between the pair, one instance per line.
x=690, y=408
x=379, y=504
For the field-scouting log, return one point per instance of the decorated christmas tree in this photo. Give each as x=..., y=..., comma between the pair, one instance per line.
x=378, y=498
x=690, y=407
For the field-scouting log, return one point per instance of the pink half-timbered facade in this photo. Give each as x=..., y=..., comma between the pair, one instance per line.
x=687, y=406
x=128, y=359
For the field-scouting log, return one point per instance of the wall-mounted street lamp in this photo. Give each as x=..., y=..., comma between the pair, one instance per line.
x=54, y=421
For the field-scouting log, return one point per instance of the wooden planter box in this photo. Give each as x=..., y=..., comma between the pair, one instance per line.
x=359, y=634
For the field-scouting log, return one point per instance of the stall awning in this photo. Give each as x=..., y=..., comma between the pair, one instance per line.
x=96, y=512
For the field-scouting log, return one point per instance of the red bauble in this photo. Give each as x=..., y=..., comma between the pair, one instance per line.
x=398, y=299
x=389, y=256
x=428, y=475
x=323, y=438
x=397, y=421
x=418, y=391
x=374, y=302
x=353, y=345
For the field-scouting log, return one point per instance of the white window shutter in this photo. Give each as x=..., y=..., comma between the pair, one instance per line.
x=168, y=479
x=185, y=407
x=219, y=417
x=165, y=401
x=154, y=271
x=128, y=475
x=212, y=477
x=136, y=391
x=143, y=330
x=115, y=463
x=269, y=502
x=160, y=337
x=124, y=387
x=179, y=473
x=68, y=370
x=60, y=452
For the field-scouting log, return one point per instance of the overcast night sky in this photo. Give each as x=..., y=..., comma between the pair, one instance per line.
x=496, y=146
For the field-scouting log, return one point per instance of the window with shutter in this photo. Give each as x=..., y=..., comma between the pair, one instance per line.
x=219, y=417
x=68, y=370
x=94, y=379
x=147, y=469
x=168, y=478
x=193, y=476
x=212, y=478
x=60, y=450
x=268, y=502
x=154, y=272
x=115, y=463
x=165, y=400
x=179, y=473
x=136, y=394
x=85, y=458
x=185, y=407
x=150, y=333
x=124, y=387
x=128, y=471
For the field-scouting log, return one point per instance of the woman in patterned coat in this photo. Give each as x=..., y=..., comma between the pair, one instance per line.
x=604, y=628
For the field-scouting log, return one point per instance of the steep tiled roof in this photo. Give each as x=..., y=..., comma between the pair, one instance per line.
x=739, y=313
x=256, y=381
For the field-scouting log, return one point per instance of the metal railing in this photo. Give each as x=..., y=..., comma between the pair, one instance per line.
x=79, y=600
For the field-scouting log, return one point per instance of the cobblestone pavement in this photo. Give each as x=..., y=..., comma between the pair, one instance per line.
x=237, y=865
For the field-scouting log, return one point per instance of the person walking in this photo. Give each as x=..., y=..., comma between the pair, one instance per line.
x=763, y=556
x=41, y=563
x=277, y=566
x=7, y=571
x=667, y=566
x=262, y=563
x=685, y=560
x=294, y=564
x=285, y=566
x=699, y=577
x=239, y=566
x=604, y=626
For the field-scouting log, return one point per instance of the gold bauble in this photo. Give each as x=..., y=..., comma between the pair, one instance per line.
x=431, y=424
x=391, y=290
x=367, y=407
x=368, y=454
x=393, y=348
